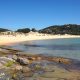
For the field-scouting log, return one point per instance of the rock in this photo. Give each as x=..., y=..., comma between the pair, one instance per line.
x=29, y=58
x=18, y=67
x=4, y=75
x=14, y=57
x=26, y=69
x=23, y=61
x=1, y=65
x=61, y=60
x=6, y=62
x=49, y=68
x=18, y=76
x=6, y=59
x=38, y=67
x=29, y=74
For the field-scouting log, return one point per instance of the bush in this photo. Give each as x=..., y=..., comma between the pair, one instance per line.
x=25, y=30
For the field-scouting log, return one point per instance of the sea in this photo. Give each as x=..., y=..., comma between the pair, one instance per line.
x=68, y=48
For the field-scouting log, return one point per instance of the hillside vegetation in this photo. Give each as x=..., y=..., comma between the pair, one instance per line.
x=72, y=29
x=3, y=30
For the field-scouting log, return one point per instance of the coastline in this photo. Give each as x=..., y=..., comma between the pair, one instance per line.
x=9, y=39
x=21, y=64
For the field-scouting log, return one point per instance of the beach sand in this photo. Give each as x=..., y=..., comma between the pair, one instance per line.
x=9, y=39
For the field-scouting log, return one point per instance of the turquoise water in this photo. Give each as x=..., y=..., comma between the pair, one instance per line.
x=69, y=48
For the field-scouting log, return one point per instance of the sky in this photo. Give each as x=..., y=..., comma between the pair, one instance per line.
x=38, y=14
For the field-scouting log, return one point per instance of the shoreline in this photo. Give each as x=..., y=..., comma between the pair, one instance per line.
x=44, y=67
x=10, y=39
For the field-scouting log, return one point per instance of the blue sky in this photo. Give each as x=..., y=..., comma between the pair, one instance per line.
x=16, y=14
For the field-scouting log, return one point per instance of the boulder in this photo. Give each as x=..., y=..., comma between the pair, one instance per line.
x=23, y=61
x=14, y=57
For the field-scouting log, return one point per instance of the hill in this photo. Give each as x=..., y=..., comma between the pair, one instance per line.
x=3, y=30
x=72, y=29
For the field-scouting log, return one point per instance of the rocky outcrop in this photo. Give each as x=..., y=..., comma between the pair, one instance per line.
x=36, y=67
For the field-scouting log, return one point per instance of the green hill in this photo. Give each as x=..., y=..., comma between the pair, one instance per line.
x=62, y=29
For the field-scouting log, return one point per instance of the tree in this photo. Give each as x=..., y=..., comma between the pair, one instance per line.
x=3, y=30
x=24, y=30
x=33, y=30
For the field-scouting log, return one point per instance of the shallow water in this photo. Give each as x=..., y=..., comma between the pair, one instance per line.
x=69, y=48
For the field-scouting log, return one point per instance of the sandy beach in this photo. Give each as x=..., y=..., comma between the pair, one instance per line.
x=8, y=39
